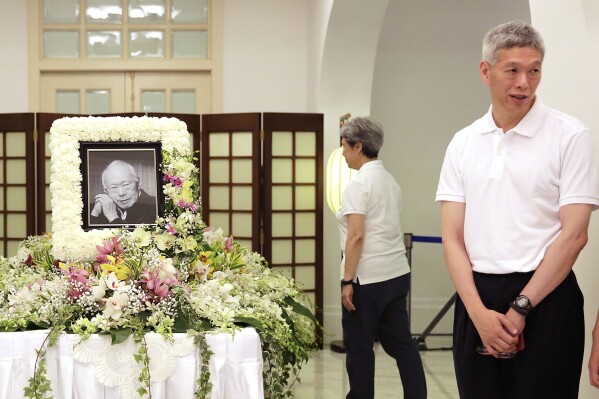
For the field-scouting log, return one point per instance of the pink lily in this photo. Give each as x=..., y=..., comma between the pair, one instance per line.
x=155, y=285
x=109, y=247
x=229, y=244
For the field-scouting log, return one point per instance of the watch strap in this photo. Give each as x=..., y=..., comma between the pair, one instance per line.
x=347, y=282
x=524, y=312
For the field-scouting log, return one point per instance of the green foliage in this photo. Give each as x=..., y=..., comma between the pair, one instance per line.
x=39, y=385
x=300, y=309
x=250, y=321
x=204, y=386
x=119, y=336
x=143, y=358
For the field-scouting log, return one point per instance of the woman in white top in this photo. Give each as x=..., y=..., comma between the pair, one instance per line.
x=375, y=275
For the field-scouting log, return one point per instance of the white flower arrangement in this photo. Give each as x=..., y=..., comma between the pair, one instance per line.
x=176, y=276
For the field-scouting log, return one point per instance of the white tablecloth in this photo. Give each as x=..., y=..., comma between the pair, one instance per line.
x=235, y=367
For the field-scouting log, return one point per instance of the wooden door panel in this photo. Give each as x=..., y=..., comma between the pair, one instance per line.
x=17, y=180
x=293, y=199
x=82, y=84
x=231, y=158
x=175, y=89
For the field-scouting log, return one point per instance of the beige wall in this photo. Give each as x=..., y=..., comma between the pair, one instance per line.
x=265, y=55
x=13, y=59
x=571, y=84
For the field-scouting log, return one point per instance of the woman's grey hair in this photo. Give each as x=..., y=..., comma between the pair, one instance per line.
x=509, y=35
x=364, y=130
x=122, y=164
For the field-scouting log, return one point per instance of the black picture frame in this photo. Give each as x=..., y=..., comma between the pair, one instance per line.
x=145, y=158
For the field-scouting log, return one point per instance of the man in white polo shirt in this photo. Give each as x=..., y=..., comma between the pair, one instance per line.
x=517, y=189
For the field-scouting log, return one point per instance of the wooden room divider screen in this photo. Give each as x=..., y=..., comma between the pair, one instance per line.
x=261, y=181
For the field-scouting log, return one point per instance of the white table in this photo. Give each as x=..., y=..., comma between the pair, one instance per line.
x=235, y=366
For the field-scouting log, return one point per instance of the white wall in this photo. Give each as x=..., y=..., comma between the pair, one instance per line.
x=13, y=62
x=570, y=83
x=318, y=20
x=265, y=55
x=346, y=84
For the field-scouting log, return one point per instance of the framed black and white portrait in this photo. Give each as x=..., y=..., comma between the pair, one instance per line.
x=122, y=184
x=81, y=149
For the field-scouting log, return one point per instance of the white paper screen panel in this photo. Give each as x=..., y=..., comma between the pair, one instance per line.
x=231, y=183
x=294, y=205
x=16, y=165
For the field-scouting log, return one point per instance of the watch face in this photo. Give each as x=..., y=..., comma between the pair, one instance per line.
x=522, y=301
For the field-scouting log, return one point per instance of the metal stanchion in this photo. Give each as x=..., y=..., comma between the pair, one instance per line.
x=420, y=339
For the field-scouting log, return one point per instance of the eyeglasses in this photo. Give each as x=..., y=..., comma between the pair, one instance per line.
x=124, y=186
x=482, y=350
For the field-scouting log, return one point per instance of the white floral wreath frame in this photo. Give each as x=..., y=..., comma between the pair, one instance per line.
x=69, y=240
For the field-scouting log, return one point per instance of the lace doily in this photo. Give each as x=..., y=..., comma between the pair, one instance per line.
x=115, y=365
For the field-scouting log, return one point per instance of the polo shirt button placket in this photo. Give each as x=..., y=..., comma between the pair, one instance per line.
x=498, y=159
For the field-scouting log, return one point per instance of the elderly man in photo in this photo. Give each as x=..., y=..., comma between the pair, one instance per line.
x=517, y=189
x=123, y=201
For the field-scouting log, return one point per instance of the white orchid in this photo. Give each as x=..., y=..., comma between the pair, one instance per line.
x=98, y=291
x=167, y=270
x=115, y=305
x=110, y=282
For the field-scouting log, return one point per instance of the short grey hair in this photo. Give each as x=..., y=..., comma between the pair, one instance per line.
x=122, y=164
x=509, y=35
x=364, y=130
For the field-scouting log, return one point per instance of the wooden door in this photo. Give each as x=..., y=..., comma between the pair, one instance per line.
x=82, y=92
x=90, y=93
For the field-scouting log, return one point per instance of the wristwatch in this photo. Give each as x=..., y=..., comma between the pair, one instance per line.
x=347, y=282
x=522, y=305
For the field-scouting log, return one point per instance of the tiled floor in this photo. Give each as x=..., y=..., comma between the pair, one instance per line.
x=324, y=377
